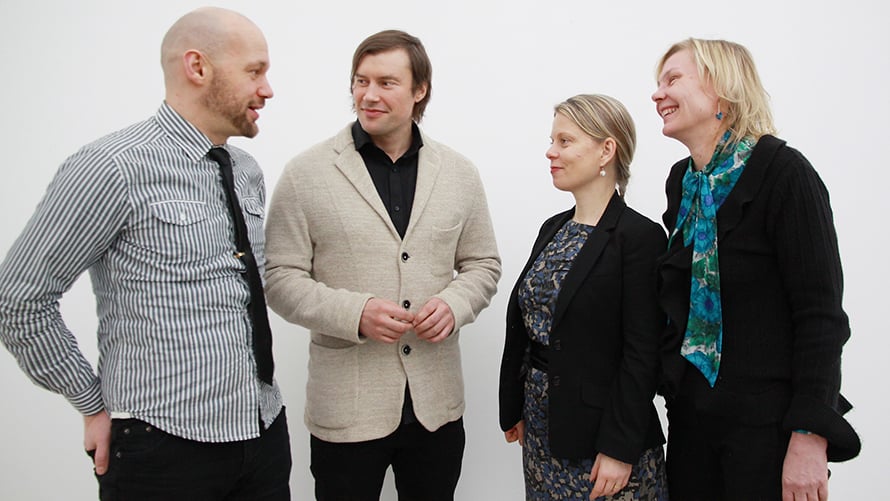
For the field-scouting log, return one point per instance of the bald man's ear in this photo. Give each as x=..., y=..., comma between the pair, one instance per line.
x=196, y=66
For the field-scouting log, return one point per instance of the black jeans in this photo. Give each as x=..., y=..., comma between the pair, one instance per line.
x=426, y=465
x=148, y=464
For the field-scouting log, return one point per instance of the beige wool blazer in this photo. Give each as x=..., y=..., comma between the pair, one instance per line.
x=331, y=246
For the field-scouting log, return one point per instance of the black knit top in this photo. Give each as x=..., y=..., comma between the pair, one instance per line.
x=781, y=287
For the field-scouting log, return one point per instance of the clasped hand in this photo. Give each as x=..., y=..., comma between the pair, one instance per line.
x=385, y=321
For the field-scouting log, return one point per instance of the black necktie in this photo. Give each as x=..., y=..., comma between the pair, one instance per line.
x=262, y=335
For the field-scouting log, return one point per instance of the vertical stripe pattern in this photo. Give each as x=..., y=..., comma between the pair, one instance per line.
x=143, y=210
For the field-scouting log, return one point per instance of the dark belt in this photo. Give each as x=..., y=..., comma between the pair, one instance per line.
x=538, y=355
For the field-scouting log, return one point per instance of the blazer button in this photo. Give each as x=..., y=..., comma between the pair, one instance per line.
x=406, y=304
x=557, y=345
x=405, y=256
x=554, y=381
x=406, y=349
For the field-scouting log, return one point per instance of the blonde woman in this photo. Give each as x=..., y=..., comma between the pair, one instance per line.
x=580, y=362
x=753, y=349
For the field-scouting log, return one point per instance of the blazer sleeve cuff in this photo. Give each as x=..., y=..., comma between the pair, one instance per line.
x=808, y=413
x=615, y=440
x=624, y=451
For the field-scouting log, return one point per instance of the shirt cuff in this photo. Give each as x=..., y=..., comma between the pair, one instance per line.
x=89, y=401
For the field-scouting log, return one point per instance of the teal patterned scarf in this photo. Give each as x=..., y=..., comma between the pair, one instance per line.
x=703, y=193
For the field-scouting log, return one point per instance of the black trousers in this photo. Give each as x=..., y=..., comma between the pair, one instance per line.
x=713, y=458
x=147, y=464
x=426, y=465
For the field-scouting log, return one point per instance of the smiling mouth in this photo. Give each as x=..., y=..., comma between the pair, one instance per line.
x=667, y=111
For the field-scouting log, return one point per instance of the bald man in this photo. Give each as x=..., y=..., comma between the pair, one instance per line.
x=179, y=408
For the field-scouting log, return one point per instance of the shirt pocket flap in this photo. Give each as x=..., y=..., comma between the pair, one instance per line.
x=253, y=205
x=179, y=212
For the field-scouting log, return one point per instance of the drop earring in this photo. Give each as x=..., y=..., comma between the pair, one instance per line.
x=719, y=114
x=602, y=172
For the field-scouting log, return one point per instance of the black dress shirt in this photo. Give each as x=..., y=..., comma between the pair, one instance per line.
x=395, y=181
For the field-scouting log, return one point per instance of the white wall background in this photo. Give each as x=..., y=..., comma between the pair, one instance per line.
x=74, y=71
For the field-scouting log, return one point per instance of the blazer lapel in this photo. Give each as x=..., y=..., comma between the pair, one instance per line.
x=350, y=163
x=429, y=163
x=545, y=235
x=588, y=256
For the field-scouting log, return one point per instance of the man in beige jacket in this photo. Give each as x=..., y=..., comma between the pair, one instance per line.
x=379, y=241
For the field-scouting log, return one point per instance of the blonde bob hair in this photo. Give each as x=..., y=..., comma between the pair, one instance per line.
x=729, y=67
x=602, y=117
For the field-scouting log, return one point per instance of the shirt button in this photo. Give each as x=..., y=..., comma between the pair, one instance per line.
x=396, y=208
x=405, y=256
x=406, y=304
x=182, y=216
x=406, y=349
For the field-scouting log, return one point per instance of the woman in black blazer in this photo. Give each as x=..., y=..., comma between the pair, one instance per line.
x=580, y=363
x=752, y=353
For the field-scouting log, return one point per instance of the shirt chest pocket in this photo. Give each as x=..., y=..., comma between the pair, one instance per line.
x=180, y=229
x=179, y=212
x=254, y=215
x=253, y=206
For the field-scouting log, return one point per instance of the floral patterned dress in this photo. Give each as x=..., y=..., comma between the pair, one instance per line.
x=546, y=477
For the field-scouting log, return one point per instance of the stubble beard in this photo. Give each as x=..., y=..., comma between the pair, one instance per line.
x=221, y=100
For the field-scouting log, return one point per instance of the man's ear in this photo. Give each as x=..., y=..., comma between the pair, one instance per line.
x=196, y=67
x=420, y=93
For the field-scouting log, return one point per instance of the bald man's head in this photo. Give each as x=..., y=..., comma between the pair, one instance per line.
x=209, y=30
x=215, y=62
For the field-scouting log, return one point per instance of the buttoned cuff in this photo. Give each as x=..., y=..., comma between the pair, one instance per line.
x=89, y=401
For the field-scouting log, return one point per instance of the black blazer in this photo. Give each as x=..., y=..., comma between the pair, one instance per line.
x=603, y=357
x=781, y=291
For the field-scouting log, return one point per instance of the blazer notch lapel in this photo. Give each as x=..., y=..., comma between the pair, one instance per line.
x=589, y=255
x=581, y=267
x=350, y=163
x=546, y=235
x=429, y=164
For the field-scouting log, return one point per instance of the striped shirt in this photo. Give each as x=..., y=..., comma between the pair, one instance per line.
x=144, y=210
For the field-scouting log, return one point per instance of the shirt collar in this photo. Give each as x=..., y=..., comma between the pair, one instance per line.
x=362, y=139
x=193, y=142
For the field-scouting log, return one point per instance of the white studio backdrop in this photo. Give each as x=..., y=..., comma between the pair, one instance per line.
x=74, y=71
